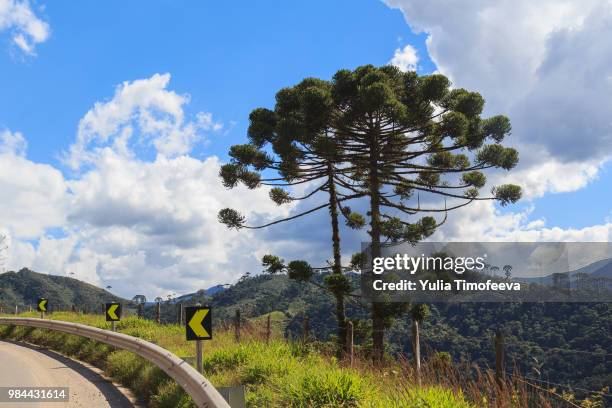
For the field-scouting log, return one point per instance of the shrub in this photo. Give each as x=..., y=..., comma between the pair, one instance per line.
x=171, y=395
x=225, y=359
x=124, y=366
x=331, y=389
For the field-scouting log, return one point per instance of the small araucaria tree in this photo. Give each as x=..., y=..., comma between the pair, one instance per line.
x=302, y=149
x=508, y=271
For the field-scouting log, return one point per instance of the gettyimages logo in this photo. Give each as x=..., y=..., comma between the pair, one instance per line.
x=413, y=264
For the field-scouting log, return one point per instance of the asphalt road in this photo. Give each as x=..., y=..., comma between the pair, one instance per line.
x=26, y=366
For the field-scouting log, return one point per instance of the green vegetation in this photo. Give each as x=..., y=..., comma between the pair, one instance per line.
x=276, y=374
x=564, y=343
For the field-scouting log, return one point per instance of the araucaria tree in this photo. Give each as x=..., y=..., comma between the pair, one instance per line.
x=301, y=148
x=391, y=138
x=403, y=134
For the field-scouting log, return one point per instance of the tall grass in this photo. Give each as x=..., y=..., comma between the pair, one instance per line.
x=279, y=373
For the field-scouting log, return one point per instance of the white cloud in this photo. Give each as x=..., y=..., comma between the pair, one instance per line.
x=152, y=226
x=546, y=64
x=545, y=174
x=142, y=226
x=34, y=196
x=26, y=28
x=12, y=143
x=145, y=113
x=406, y=58
x=482, y=221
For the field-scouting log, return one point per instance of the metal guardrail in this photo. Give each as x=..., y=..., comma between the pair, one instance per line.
x=199, y=388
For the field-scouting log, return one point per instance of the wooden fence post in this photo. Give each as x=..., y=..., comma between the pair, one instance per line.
x=268, y=329
x=499, y=358
x=179, y=314
x=306, y=329
x=416, y=349
x=351, y=345
x=237, y=326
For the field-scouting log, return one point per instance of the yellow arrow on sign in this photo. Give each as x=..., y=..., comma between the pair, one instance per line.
x=111, y=312
x=196, y=323
x=42, y=305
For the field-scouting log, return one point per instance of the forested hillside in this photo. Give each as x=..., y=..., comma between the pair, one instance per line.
x=23, y=288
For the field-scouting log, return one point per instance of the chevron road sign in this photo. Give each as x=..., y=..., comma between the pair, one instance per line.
x=198, y=323
x=42, y=304
x=113, y=312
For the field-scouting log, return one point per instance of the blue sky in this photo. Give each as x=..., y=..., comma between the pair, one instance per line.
x=61, y=60
x=229, y=59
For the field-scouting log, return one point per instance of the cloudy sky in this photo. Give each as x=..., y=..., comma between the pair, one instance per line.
x=115, y=117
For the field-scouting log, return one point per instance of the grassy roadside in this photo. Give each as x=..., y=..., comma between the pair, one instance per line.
x=276, y=374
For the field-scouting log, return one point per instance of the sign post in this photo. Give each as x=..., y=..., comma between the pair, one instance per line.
x=198, y=327
x=113, y=313
x=41, y=306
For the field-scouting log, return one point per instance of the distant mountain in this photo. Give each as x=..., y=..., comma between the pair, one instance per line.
x=202, y=292
x=23, y=289
x=599, y=269
x=605, y=270
x=214, y=290
x=190, y=297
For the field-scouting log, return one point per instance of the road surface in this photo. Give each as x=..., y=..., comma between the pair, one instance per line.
x=22, y=365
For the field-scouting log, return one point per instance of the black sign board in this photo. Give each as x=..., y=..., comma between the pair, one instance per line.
x=113, y=312
x=198, y=323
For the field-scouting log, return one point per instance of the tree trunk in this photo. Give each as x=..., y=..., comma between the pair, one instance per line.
x=337, y=265
x=378, y=316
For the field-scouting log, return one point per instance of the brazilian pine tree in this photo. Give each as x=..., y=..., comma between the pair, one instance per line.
x=405, y=138
x=304, y=149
